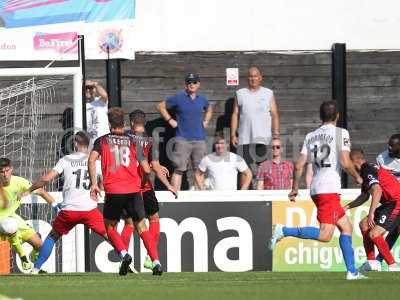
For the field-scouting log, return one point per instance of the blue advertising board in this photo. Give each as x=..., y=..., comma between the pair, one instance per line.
x=23, y=13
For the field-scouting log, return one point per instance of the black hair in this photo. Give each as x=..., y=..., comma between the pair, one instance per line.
x=328, y=111
x=5, y=162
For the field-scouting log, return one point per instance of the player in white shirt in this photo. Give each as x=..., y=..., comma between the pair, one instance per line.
x=328, y=149
x=96, y=110
x=77, y=206
x=390, y=160
x=222, y=167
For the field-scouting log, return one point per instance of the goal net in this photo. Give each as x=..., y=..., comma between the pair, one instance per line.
x=36, y=125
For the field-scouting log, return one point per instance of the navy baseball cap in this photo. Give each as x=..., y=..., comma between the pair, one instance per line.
x=191, y=77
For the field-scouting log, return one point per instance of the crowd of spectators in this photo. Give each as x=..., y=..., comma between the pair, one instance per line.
x=254, y=134
x=254, y=124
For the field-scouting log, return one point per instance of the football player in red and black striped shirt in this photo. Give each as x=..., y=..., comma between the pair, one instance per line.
x=120, y=161
x=137, y=120
x=385, y=189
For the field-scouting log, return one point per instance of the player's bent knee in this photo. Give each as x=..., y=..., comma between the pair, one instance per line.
x=372, y=234
x=376, y=232
x=110, y=223
x=128, y=222
x=154, y=217
x=141, y=226
x=324, y=238
x=35, y=241
x=326, y=233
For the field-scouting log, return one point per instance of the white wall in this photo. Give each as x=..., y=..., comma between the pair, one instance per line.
x=230, y=25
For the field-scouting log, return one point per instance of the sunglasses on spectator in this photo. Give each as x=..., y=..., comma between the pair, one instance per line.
x=191, y=82
x=276, y=147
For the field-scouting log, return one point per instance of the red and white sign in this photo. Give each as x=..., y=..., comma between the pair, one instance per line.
x=232, y=76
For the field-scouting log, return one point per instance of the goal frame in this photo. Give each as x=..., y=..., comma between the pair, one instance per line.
x=76, y=73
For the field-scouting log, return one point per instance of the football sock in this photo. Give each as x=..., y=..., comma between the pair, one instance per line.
x=348, y=252
x=384, y=250
x=368, y=245
x=154, y=229
x=126, y=235
x=115, y=239
x=44, y=253
x=391, y=239
x=122, y=254
x=149, y=244
x=156, y=262
x=302, y=232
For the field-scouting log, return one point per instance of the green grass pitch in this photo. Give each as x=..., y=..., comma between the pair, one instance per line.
x=244, y=286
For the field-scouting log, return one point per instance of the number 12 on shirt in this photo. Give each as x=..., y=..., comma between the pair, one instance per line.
x=321, y=155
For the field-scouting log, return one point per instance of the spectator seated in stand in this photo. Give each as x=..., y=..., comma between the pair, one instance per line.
x=222, y=168
x=275, y=174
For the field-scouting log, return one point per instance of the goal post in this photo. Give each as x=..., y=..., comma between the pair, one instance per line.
x=29, y=112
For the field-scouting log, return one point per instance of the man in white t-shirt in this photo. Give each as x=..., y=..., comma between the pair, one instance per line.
x=96, y=110
x=77, y=206
x=222, y=168
x=328, y=149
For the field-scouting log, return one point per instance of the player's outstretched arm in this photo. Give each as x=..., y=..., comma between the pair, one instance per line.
x=160, y=173
x=361, y=199
x=376, y=193
x=42, y=181
x=298, y=172
x=348, y=166
x=94, y=188
x=46, y=196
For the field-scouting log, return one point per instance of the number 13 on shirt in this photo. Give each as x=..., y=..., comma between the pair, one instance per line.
x=121, y=155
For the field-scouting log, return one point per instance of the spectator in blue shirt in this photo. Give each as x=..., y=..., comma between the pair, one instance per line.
x=190, y=124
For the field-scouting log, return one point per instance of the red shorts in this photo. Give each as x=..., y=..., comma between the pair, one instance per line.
x=68, y=219
x=329, y=210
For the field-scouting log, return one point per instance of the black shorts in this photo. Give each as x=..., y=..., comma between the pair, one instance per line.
x=387, y=216
x=150, y=203
x=116, y=204
x=253, y=153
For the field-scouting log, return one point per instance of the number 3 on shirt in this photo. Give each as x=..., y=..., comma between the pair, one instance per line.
x=121, y=155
